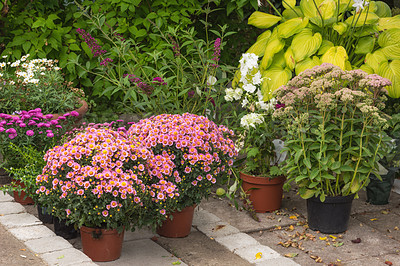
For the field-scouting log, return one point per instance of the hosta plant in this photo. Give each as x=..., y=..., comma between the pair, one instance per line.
x=349, y=34
x=335, y=129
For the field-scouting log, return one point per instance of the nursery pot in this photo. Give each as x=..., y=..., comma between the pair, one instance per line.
x=21, y=197
x=44, y=216
x=63, y=230
x=265, y=193
x=378, y=191
x=101, y=244
x=179, y=224
x=331, y=216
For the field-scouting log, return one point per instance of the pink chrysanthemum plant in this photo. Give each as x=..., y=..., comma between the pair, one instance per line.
x=101, y=179
x=201, y=152
x=335, y=129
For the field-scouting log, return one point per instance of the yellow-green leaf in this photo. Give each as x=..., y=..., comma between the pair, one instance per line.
x=340, y=27
x=292, y=13
x=259, y=46
x=279, y=60
x=365, y=45
x=326, y=9
x=263, y=20
x=336, y=55
x=375, y=59
x=360, y=18
x=291, y=27
x=307, y=63
x=389, y=23
x=383, y=10
x=366, y=68
x=355, y=186
x=289, y=4
x=305, y=44
x=273, y=47
x=391, y=71
x=308, y=194
x=389, y=40
x=278, y=77
x=289, y=58
x=325, y=46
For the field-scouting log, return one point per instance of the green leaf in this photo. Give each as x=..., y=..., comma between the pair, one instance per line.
x=39, y=23
x=307, y=163
x=383, y=9
x=346, y=168
x=176, y=262
x=305, y=44
x=388, y=23
x=370, y=18
x=355, y=186
x=263, y=20
x=365, y=45
x=274, y=77
x=391, y=71
x=314, y=174
x=389, y=40
x=297, y=155
x=291, y=27
x=252, y=152
x=336, y=55
x=308, y=194
x=259, y=46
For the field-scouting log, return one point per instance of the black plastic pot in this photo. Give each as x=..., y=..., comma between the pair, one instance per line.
x=378, y=191
x=331, y=216
x=63, y=230
x=45, y=217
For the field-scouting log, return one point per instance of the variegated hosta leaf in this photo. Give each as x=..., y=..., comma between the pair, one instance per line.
x=290, y=13
x=366, y=68
x=259, y=46
x=391, y=71
x=365, y=31
x=345, y=5
x=291, y=27
x=305, y=44
x=389, y=40
x=340, y=27
x=383, y=10
x=375, y=59
x=279, y=60
x=389, y=23
x=326, y=9
x=365, y=45
x=372, y=7
x=289, y=58
x=307, y=63
x=263, y=20
x=362, y=18
x=336, y=55
x=325, y=46
x=273, y=79
x=273, y=47
x=289, y=4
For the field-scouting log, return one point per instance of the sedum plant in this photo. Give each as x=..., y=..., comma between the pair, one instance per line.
x=335, y=129
x=350, y=34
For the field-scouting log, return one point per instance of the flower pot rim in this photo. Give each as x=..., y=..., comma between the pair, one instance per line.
x=88, y=229
x=334, y=199
x=262, y=179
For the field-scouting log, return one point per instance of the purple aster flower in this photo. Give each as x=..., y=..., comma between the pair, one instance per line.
x=50, y=134
x=74, y=113
x=12, y=136
x=30, y=133
x=11, y=131
x=22, y=124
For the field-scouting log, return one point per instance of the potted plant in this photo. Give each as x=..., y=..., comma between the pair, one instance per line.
x=23, y=138
x=261, y=177
x=201, y=153
x=98, y=181
x=334, y=124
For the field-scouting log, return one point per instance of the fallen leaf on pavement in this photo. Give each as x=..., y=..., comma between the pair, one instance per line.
x=154, y=238
x=356, y=241
x=219, y=227
x=316, y=258
x=396, y=228
x=385, y=212
x=388, y=262
x=322, y=238
x=176, y=262
x=373, y=219
x=22, y=249
x=338, y=244
x=334, y=237
x=291, y=255
x=293, y=217
x=291, y=228
x=61, y=257
x=258, y=255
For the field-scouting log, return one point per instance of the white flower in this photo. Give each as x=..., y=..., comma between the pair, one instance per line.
x=237, y=94
x=2, y=64
x=57, y=68
x=250, y=88
x=211, y=80
x=15, y=64
x=4, y=56
x=257, y=78
x=251, y=120
x=360, y=4
x=247, y=63
x=1, y=75
x=229, y=94
x=12, y=82
x=245, y=102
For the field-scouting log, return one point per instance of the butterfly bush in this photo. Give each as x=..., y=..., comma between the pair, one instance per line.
x=257, y=130
x=99, y=178
x=197, y=150
x=335, y=125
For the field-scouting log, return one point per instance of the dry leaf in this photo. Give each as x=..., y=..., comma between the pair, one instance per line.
x=22, y=249
x=322, y=238
x=338, y=244
x=316, y=258
x=334, y=237
x=396, y=228
x=293, y=217
x=385, y=212
x=23, y=256
x=388, y=262
x=219, y=227
x=291, y=255
x=356, y=241
x=373, y=219
x=278, y=227
x=291, y=228
x=258, y=255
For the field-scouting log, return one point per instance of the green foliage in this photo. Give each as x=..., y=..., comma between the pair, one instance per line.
x=315, y=32
x=334, y=128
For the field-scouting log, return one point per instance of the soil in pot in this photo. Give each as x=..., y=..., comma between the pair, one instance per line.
x=331, y=216
x=264, y=193
x=101, y=244
x=179, y=225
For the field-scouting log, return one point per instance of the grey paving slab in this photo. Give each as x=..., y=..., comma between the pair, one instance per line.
x=236, y=241
x=5, y=197
x=143, y=252
x=143, y=233
x=388, y=224
x=202, y=216
x=277, y=262
x=10, y=208
x=66, y=257
x=47, y=244
x=18, y=220
x=217, y=229
x=249, y=253
x=31, y=232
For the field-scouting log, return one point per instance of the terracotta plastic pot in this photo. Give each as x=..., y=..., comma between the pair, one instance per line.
x=81, y=110
x=265, y=193
x=101, y=244
x=331, y=216
x=21, y=197
x=179, y=225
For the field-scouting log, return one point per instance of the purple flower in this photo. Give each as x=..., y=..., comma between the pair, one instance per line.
x=217, y=52
x=190, y=93
x=22, y=125
x=31, y=123
x=58, y=126
x=66, y=114
x=278, y=106
x=48, y=116
x=50, y=134
x=2, y=129
x=120, y=120
x=91, y=42
x=54, y=122
x=121, y=129
x=74, y=113
x=40, y=124
x=30, y=133
x=11, y=131
x=12, y=136
x=106, y=61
